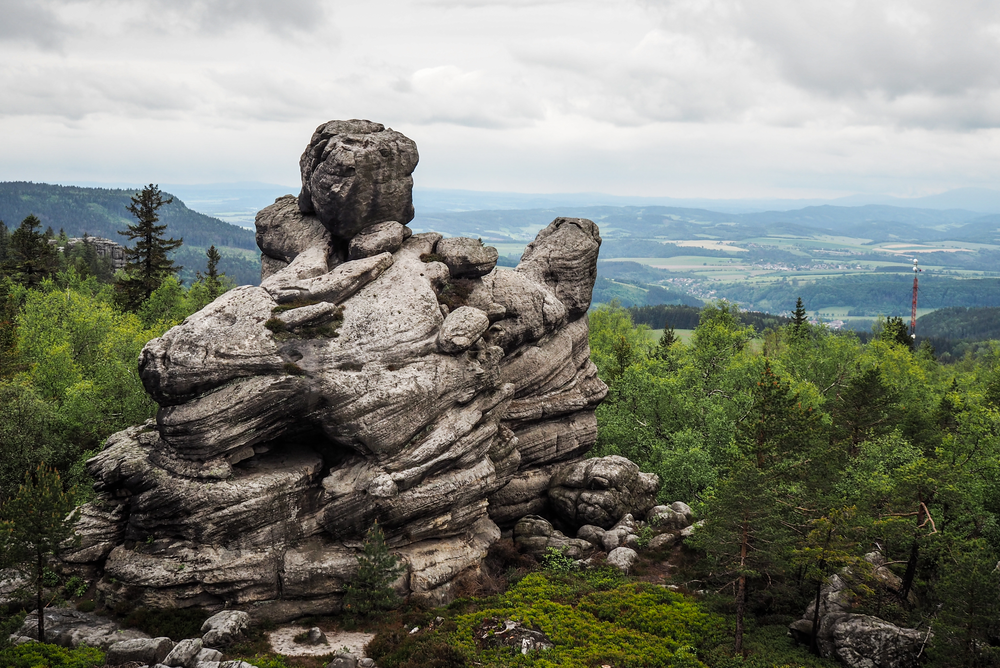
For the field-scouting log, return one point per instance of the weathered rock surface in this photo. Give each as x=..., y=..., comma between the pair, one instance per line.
x=224, y=628
x=363, y=381
x=149, y=651
x=535, y=535
x=493, y=633
x=71, y=628
x=623, y=558
x=355, y=174
x=858, y=641
x=467, y=258
x=184, y=654
x=602, y=490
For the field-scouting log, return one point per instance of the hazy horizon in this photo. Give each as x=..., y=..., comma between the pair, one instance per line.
x=716, y=99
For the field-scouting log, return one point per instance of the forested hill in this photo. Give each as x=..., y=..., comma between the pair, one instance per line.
x=976, y=324
x=101, y=212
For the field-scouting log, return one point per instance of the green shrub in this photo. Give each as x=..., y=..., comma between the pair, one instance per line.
x=76, y=586
x=395, y=647
x=370, y=591
x=38, y=655
x=276, y=325
x=86, y=606
x=558, y=561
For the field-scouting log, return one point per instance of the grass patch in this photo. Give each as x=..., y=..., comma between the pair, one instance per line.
x=431, y=257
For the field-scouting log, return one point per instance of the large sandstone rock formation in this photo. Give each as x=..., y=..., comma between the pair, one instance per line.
x=375, y=375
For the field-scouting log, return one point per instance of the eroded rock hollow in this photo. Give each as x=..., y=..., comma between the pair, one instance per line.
x=375, y=375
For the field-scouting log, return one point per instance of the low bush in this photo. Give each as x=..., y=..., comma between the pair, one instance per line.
x=39, y=655
x=176, y=624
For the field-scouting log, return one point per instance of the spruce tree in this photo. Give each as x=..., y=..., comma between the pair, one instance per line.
x=799, y=320
x=211, y=276
x=667, y=339
x=371, y=589
x=34, y=525
x=147, y=263
x=31, y=258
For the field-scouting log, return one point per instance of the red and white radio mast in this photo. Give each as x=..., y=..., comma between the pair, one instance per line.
x=913, y=312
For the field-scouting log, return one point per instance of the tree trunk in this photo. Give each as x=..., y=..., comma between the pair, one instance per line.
x=911, y=565
x=39, y=574
x=741, y=589
x=815, y=633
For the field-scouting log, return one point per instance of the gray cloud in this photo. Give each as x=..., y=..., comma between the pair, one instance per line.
x=30, y=21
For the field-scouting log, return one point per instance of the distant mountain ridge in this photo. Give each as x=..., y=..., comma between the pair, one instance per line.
x=876, y=222
x=101, y=212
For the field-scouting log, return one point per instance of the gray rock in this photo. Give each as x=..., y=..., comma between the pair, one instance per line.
x=186, y=654
x=467, y=258
x=684, y=509
x=142, y=650
x=283, y=232
x=601, y=490
x=661, y=541
x=343, y=660
x=592, y=534
x=863, y=641
x=224, y=628
x=387, y=237
x=687, y=532
x=206, y=655
x=463, y=327
x=564, y=257
x=665, y=517
x=357, y=173
x=623, y=558
x=344, y=392
x=72, y=628
x=316, y=636
x=535, y=535
x=366, y=663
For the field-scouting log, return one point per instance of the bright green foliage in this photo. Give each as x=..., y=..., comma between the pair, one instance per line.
x=147, y=262
x=35, y=524
x=804, y=453
x=370, y=591
x=39, y=655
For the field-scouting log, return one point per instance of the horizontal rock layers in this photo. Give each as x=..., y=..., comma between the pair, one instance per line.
x=374, y=376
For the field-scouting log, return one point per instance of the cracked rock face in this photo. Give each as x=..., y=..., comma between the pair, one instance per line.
x=364, y=381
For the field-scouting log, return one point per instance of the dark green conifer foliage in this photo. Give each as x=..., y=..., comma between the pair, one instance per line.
x=667, y=339
x=800, y=324
x=211, y=277
x=147, y=262
x=34, y=525
x=371, y=589
x=30, y=257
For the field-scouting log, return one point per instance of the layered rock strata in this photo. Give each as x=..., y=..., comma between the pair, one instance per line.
x=375, y=375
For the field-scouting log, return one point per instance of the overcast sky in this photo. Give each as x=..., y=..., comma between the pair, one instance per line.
x=682, y=98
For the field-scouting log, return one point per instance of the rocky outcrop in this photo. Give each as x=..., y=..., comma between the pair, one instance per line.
x=600, y=491
x=375, y=375
x=71, y=628
x=858, y=641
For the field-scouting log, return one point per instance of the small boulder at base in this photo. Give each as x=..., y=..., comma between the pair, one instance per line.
x=184, y=654
x=463, y=327
x=148, y=651
x=224, y=628
x=661, y=541
x=343, y=660
x=623, y=558
x=535, y=535
x=602, y=490
x=315, y=636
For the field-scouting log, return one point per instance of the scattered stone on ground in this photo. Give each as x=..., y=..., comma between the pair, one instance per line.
x=282, y=641
x=493, y=632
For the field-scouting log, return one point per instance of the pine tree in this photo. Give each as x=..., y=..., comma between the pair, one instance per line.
x=799, y=321
x=211, y=277
x=147, y=263
x=667, y=339
x=371, y=589
x=31, y=258
x=35, y=524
